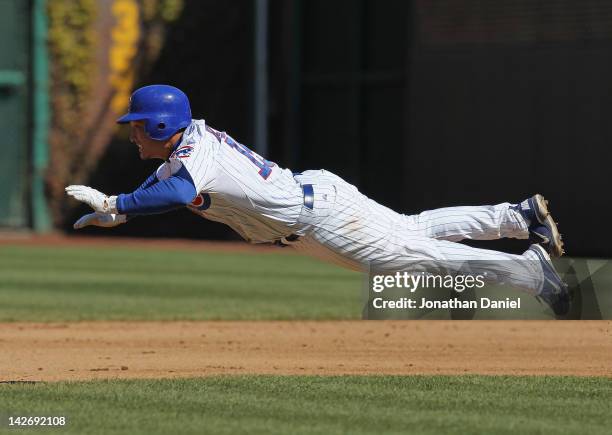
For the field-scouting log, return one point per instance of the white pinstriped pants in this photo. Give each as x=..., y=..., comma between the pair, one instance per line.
x=349, y=229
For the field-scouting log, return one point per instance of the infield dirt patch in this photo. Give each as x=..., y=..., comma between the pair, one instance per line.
x=101, y=350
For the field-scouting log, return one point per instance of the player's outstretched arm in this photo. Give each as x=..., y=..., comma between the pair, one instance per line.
x=152, y=197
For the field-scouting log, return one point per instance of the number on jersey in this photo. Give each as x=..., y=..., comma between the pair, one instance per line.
x=264, y=166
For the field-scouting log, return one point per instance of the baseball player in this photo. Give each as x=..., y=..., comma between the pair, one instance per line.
x=316, y=211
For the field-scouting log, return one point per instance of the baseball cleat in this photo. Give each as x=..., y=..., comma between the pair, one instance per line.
x=555, y=292
x=542, y=228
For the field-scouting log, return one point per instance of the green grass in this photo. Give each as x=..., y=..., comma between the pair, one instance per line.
x=102, y=283
x=323, y=405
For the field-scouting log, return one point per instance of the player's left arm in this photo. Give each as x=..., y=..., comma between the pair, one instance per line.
x=173, y=192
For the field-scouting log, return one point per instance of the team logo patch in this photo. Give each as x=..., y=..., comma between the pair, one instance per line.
x=183, y=152
x=201, y=202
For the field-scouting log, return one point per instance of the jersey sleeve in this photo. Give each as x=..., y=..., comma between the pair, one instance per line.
x=159, y=196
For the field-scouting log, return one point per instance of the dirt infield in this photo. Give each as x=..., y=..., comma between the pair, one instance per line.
x=101, y=350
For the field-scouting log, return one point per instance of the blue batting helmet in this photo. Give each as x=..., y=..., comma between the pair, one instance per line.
x=165, y=110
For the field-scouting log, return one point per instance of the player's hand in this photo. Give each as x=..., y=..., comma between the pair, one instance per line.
x=96, y=200
x=100, y=220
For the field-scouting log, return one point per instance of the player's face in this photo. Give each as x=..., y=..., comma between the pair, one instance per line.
x=147, y=147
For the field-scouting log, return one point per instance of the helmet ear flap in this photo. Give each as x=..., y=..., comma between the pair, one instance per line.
x=156, y=129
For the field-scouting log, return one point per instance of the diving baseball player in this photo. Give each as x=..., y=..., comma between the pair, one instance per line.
x=316, y=211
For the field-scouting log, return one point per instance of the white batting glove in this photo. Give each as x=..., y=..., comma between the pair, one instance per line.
x=100, y=220
x=96, y=200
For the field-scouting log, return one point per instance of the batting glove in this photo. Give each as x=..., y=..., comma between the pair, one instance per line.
x=96, y=200
x=100, y=220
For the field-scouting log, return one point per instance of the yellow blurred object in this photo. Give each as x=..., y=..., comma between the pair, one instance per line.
x=125, y=36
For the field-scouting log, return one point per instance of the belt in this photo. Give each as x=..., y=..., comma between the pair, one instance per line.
x=308, y=196
x=308, y=193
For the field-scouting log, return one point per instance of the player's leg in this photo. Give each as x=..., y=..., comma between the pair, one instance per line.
x=359, y=249
x=529, y=219
x=405, y=251
x=451, y=223
x=532, y=272
x=488, y=222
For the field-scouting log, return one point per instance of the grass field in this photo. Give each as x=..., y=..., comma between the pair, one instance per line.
x=324, y=405
x=68, y=283
x=102, y=283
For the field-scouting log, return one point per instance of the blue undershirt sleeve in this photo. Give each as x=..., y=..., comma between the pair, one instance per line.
x=159, y=197
x=147, y=183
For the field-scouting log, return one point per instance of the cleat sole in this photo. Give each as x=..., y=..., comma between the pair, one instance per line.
x=544, y=217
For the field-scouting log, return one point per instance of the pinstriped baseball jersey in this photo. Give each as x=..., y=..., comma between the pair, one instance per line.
x=236, y=186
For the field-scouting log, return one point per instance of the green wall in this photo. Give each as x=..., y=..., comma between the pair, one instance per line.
x=14, y=59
